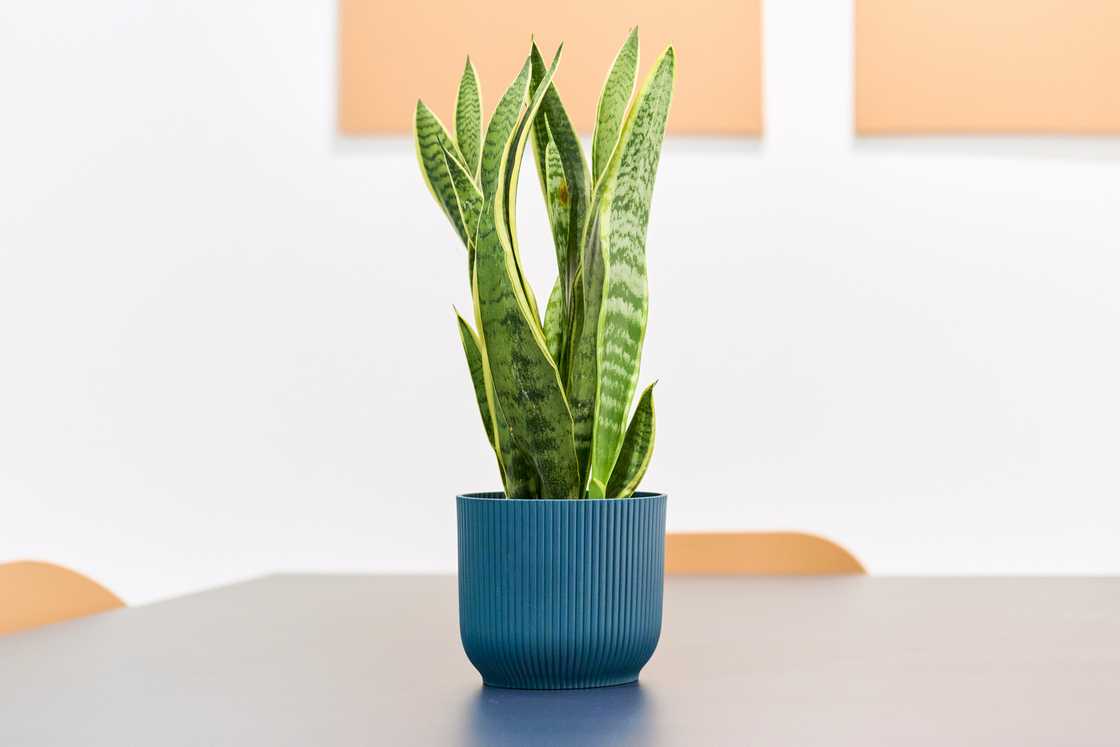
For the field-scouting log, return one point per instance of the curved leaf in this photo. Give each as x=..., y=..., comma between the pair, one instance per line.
x=583, y=377
x=559, y=208
x=617, y=89
x=524, y=379
x=432, y=141
x=519, y=474
x=498, y=131
x=624, y=210
x=554, y=323
x=505, y=202
x=525, y=383
x=553, y=125
x=478, y=378
x=637, y=449
x=467, y=197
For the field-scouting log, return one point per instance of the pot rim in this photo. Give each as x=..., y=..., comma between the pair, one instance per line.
x=497, y=495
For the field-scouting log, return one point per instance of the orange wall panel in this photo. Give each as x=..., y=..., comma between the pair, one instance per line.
x=392, y=53
x=987, y=66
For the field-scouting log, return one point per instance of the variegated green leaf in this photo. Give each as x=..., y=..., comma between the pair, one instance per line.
x=611, y=113
x=468, y=198
x=553, y=394
x=554, y=323
x=499, y=129
x=541, y=136
x=478, y=378
x=572, y=331
x=506, y=194
x=519, y=474
x=432, y=141
x=637, y=449
x=559, y=208
x=468, y=119
x=525, y=383
x=553, y=125
x=624, y=211
x=583, y=374
x=524, y=380
x=499, y=134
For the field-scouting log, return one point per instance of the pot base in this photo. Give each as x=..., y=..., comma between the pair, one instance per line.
x=629, y=679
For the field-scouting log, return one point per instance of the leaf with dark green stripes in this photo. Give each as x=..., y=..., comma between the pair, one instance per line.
x=525, y=383
x=552, y=124
x=468, y=119
x=637, y=449
x=432, y=141
x=583, y=374
x=507, y=118
x=467, y=197
x=519, y=473
x=559, y=206
x=554, y=323
x=611, y=113
x=519, y=476
x=541, y=136
x=505, y=202
x=478, y=378
x=498, y=131
x=553, y=392
x=624, y=210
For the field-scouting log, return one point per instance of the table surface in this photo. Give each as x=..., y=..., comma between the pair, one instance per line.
x=365, y=660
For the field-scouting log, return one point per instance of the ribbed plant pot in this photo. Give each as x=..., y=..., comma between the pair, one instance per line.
x=560, y=594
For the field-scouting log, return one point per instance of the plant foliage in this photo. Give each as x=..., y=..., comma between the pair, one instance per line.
x=554, y=391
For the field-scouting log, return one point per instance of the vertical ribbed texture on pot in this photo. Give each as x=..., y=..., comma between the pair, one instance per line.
x=557, y=594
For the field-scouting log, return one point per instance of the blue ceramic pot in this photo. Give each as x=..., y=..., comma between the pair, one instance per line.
x=559, y=594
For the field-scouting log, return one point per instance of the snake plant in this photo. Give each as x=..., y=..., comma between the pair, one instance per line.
x=554, y=391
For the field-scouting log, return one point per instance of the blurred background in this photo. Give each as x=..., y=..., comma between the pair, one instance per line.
x=227, y=345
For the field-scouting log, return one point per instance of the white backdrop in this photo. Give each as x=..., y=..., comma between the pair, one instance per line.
x=227, y=347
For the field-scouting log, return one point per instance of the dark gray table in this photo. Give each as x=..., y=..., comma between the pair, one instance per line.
x=375, y=660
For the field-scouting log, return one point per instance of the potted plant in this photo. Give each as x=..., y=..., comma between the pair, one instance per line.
x=560, y=575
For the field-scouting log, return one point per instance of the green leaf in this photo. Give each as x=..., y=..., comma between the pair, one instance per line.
x=506, y=194
x=637, y=449
x=478, y=378
x=467, y=197
x=524, y=379
x=617, y=89
x=498, y=132
x=468, y=119
x=519, y=476
x=559, y=209
x=583, y=375
x=541, y=136
x=432, y=141
x=553, y=125
x=554, y=323
x=506, y=127
x=627, y=189
x=519, y=473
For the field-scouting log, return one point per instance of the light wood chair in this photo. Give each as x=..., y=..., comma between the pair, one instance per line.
x=34, y=594
x=756, y=553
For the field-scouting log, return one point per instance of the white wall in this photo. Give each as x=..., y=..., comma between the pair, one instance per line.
x=226, y=342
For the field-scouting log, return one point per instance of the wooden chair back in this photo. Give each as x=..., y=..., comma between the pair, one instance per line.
x=756, y=553
x=34, y=594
